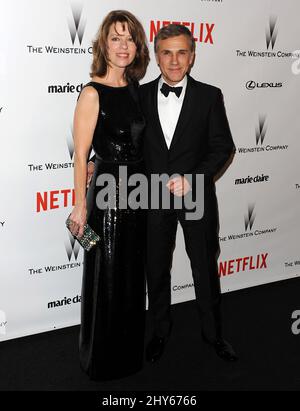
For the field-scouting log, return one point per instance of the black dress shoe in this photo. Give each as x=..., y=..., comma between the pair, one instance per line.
x=225, y=351
x=155, y=348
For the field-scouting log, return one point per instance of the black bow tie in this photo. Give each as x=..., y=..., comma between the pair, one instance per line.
x=165, y=89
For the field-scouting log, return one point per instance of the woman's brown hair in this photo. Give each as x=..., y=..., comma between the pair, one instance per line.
x=137, y=69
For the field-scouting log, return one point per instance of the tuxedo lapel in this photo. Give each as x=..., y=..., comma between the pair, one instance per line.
x=185, y=113
x=156, y=122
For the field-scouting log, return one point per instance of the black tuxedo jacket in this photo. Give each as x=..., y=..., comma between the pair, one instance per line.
x=202, y=141
x=201, y=144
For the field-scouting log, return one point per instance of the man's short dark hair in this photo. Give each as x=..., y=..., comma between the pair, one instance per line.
x=173, y=30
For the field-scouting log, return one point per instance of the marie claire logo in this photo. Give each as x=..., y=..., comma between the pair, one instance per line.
x=250, y=230
x=202, y=31
x=259, y=178
x=251, y=85
x=270, y=40
x=2, y=224
x=76, y=26
x=248, y=263
x=64, y=302
x=260, y=135
x=65, y=88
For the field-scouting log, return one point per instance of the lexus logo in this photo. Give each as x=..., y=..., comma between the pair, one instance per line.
x=251, y=85
x=271, y=32
x=77, y=24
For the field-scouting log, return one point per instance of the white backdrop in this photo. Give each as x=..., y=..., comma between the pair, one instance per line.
x=245, y=48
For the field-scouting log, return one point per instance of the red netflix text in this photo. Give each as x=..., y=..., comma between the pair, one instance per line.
x=201, y=32
x=257, y=262
x=50, y=200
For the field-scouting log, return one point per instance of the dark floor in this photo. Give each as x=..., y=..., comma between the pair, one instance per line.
x=257, y=322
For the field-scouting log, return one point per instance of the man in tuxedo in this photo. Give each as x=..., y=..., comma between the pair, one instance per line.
x=187, y=133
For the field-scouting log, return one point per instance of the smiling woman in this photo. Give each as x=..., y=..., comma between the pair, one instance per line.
x=120, y=29
x=108, y=119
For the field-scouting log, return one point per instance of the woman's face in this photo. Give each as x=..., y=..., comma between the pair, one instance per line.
x=121, y=49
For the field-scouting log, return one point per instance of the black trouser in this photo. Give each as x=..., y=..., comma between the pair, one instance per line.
x=202, y=247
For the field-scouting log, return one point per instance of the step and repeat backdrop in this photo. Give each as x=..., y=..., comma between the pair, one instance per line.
x=250, y=49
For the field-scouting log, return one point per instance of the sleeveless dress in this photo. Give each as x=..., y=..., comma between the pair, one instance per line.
x=111, y=341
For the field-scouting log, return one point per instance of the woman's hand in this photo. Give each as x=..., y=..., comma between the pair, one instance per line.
x=78, y=220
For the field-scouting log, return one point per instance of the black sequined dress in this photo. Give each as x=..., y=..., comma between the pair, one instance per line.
x=111, y=339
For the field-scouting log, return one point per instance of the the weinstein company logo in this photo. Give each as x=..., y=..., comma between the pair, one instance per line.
x=56, y=166
x=250, y=230
x=76, y=26
x=260, y=135
x=261, y=129
x=250, y=217
x=70, y=144
x=72, y=246
x=271, y=33
x=251, y=85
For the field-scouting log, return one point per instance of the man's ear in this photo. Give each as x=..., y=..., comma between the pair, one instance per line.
x=192, y=59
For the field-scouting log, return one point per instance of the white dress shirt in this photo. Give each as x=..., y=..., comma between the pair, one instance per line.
x=169, y=109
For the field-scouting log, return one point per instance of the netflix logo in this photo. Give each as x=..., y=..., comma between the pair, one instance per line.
x=50, y=200
x=248, y=263
x=201, y=32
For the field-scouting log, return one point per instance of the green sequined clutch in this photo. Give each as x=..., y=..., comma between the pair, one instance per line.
x=89, y=238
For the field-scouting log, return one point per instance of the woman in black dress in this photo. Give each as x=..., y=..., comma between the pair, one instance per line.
x=108, y=119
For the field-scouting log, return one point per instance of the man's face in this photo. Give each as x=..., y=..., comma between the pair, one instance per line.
x=174, y=57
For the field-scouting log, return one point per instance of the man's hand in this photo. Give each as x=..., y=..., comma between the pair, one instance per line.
x=179, y=186
x=90, y=172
